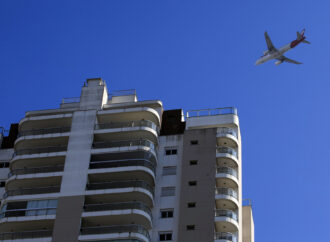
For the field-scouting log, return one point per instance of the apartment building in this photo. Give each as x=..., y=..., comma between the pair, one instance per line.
x=107, y=167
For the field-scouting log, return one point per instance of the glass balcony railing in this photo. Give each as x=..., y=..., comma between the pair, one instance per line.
x=115, y=125
x=33, y=170
x=227, y=170
x=211, y=112
x=28, y=212
x=226, y=213
x=227, y=150
x=226, y=191
x=132, y=228
x=225, y=236
x=26, y=234
x=40, y=150
x=117, y=206
x=122, y=163
x=124, y=143
x=120, y=184
x=225, y=130
x=31, y=191
x=44, y=131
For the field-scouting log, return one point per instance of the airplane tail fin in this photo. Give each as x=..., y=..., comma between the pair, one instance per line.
x=301, y=36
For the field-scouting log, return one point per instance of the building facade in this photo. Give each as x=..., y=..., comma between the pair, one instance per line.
x=107, y=167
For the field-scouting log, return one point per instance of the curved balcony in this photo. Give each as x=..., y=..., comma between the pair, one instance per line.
x=226, y=156
x=31, y=191
x=226, y=220
x=125, y=146
x=227, y=137
x=27, y=212
x=44, y=131
x=34, y=170
x=26, y=235
x=118, y=213
x=226, y=198
x=224, y=237
x=132, y=124
x=140, y=169
x=226, y=176
x=131, y=231
x=31, y=151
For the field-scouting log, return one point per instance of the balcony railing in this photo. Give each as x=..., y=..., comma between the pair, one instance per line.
x=124, y=143
x=44, y=131
x=226, y=191
x=71, y=100
x=26, y=234
x=117, y=206
x=227, y=170
x=225, y=130
x=33, y=170
x=122, y=163
x=211, y=112
x=226, y=213
x=31, y=191
x=31, y=151
x=227, y=150
x=28, y=212
x=115, y=125
x=120, y=184
x=225, y=236
x=132, y=228
x=119, y=93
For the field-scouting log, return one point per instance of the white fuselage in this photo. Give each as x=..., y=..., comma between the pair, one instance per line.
x=273, y=55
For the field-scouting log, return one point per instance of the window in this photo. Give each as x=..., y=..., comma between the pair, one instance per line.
x=2, y=183
x=194, y=142
x=165, y=236
x=167, y=191
x=171, y=151
x=191, y=205
x=193, y=162
x=191, y=227
x=169, y=170
x=4, y=164
x=168, y=213
x=192, y=183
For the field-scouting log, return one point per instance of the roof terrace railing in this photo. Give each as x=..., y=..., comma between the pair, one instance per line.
x=26, y=234
x=119, y=93
x=132, y=228
x=211, y=112
x=70, y=100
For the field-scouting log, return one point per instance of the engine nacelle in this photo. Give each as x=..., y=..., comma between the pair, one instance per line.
x=278, y=62
x=266, y=52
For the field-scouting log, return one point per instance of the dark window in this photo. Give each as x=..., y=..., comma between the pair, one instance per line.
x=191, y=227
x=193, y=162
x=194, y=142
x=2, y=184
x=165, y=236
x=169, y=151
x=191, y=205
x=6, y=164
x=166, y=213
x=192, y=183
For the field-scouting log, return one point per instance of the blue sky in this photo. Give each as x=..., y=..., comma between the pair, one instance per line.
x=192, y=55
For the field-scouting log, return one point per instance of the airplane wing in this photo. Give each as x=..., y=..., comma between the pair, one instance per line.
x=283, y=58
x=270, y=45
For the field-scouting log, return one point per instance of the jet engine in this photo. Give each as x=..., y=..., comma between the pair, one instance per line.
x=278, y=62
x=266, y=52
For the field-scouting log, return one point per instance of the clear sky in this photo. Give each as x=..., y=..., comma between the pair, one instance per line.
x=193, y=55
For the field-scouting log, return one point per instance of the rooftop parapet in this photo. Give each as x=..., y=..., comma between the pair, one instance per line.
x=122, y=96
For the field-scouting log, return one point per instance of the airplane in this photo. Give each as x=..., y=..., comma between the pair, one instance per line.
x=273, y=53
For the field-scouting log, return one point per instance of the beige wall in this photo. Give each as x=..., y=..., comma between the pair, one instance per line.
x=248, y=224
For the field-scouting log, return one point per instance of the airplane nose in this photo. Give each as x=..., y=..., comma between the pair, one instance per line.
x=258, y=62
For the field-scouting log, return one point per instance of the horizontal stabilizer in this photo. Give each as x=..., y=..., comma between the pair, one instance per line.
x=306, y=42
